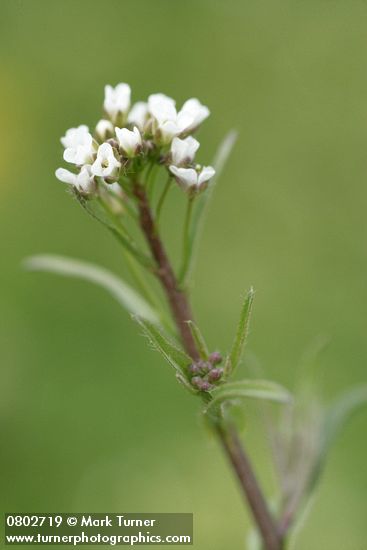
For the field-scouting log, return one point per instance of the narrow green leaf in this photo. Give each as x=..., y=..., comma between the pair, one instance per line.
x=242, y=332
x=119, y=233
x=336, y=417
x=122, y=292
x=308, y=377
x=175, y=356
x=245, y=389
x=340, y=412
x=199, y=339
x=202, y=202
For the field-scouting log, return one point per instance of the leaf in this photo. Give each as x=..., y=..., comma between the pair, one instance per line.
x=341, y=411
x=175, y=356
x=310, y=368
x=202, y=202
x=119, y=233
x=244, y=389
x=336, y=417
x=242, y=332
x=123, y=293
x=199, y=340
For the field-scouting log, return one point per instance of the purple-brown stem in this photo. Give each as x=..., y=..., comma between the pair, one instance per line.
x=177, y=299
x=181, y=311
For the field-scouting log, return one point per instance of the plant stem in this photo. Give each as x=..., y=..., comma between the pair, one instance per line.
x=162, y=199
x=228, y=436
x=178, y=302
x=245, y=474
x=186, y=240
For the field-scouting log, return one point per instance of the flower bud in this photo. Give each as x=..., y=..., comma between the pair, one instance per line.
x=205, y=386
x=129, y=140
x=194, y=369
x=104, y=129
x=196, y=381
x=215, y=358
x=204, y=366
x=138, y=115
x=215, y=375
x=183, y=150
x=117, y=102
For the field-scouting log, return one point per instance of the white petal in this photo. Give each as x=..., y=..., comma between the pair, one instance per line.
x=194, y=109
x=81, y=149
x=97, y=169
x=138, y=114
x=162, y=107
x=70, y=154
x=83, y=155
x=187, y=177
x=84, y=180
x=104, y=128
x=104, y=151
x=65, y=176
x=106, y=164
x=74, y=136
x=129, y=140
x=206, y=173
x=183, y=150
x=117, y=100
x=185, y=121
x=168, y=130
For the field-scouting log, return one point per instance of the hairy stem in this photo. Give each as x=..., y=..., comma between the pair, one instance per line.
x=228, y=436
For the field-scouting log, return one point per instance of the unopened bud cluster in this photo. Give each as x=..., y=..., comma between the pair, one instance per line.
x=131, y=137
x=205, y=374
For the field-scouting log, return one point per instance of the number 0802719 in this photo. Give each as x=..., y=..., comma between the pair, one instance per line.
x=33, y=521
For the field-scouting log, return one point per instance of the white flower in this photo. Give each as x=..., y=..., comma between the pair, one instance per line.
x=138, y=115
x=79, y=145
x=104, y=129
x=117, y=100
x=192, y=180
x=129, y=140
x=106, y=165
x=183, y=150
x=74, y=136
x=194, y=110
x=169, y=122
x=163, y=110
x=83, y=181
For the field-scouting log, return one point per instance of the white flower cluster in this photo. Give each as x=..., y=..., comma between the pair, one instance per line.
x=129, y=137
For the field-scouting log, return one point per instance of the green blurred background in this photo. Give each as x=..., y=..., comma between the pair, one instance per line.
x=91, y=420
